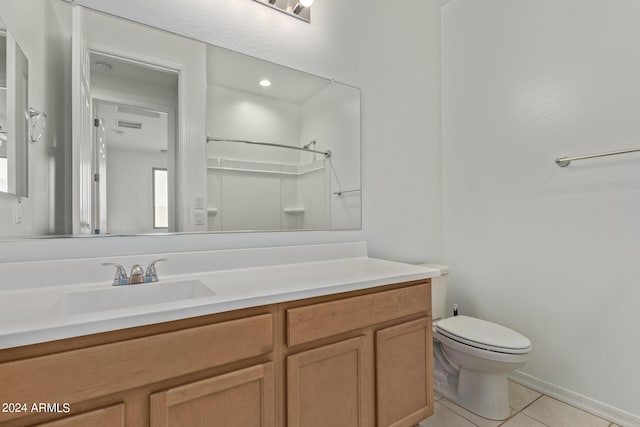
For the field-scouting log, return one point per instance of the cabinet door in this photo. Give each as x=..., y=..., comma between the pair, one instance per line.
x=404, y=373
x=113, y=416
x=243, y=398
x=331, y=385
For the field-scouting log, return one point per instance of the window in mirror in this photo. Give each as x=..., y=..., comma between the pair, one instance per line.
x=3, y=172
x=160, y=198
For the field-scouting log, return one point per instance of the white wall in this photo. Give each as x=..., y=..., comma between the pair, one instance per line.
x=390, y=54
x=130, y=190
x=550, y=252
x=58, y=107
x=132, y=92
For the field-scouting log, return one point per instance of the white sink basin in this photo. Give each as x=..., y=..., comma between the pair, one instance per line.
x=127, y=296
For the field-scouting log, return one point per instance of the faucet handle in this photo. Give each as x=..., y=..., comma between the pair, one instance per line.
x=151, y=275
x=121, y=274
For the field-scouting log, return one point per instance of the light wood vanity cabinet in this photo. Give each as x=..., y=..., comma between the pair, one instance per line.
x=357, y=359
x=383, y=373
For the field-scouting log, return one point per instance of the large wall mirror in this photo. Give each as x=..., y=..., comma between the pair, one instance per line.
x=149, y=132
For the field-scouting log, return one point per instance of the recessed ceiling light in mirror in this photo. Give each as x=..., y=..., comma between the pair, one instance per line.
x=300, y=9
x=265, y=83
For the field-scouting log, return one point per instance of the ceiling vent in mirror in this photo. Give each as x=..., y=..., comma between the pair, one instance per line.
x=129, y=125
x=300, y=9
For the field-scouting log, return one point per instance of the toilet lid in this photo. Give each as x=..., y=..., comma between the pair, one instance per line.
x=483, y=334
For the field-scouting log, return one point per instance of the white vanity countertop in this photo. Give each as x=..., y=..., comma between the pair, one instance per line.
x=26, y=314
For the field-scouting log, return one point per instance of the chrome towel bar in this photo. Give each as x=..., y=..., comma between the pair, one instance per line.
x=566, y=161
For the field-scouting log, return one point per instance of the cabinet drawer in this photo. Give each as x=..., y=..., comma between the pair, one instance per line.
x=305, y=324
x=84, y=374
x=113, y=416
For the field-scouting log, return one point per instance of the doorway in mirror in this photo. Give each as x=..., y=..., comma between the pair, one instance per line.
x=134, y=133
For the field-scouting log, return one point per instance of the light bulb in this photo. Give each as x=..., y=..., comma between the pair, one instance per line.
x=306, y=3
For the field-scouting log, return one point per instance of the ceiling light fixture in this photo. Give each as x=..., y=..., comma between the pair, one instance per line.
x=300, y=9
x=265, y=83
x=300, y=5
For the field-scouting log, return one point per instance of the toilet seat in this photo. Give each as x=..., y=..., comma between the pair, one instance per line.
x=483, y=335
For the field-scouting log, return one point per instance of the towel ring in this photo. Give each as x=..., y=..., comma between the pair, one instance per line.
x=34, y=116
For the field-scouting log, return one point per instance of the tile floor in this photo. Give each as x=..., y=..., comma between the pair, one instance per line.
x=528, y=409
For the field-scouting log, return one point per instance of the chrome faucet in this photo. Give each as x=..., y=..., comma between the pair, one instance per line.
x=138, y=275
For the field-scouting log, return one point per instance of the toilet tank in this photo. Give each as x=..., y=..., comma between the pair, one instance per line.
x=439, y=291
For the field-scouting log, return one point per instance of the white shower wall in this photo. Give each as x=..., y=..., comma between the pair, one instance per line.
x=332, y=118
x=551, y=252
x=241, y=115
x=245, y=200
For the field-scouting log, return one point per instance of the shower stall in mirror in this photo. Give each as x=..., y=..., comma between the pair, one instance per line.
x=281, y=142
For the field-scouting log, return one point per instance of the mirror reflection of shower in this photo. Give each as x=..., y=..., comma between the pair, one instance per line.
x=278, y=151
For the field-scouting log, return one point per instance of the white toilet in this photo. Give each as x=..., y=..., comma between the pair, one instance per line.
x=472, y=357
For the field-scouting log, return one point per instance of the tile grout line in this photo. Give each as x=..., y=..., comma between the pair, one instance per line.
x=536, y=419
x=531, y=403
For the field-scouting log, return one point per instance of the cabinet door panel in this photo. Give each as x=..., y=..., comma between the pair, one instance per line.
x=243, y=398
x=113, y=416
x=331, y=386
x=404, y=373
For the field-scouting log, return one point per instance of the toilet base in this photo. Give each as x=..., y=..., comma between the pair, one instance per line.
x=484, y=394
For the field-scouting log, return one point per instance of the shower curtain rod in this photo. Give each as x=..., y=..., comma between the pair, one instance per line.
x=327, y=153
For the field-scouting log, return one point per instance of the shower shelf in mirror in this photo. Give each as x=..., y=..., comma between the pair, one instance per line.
x=260, y=167
x=293, y=211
